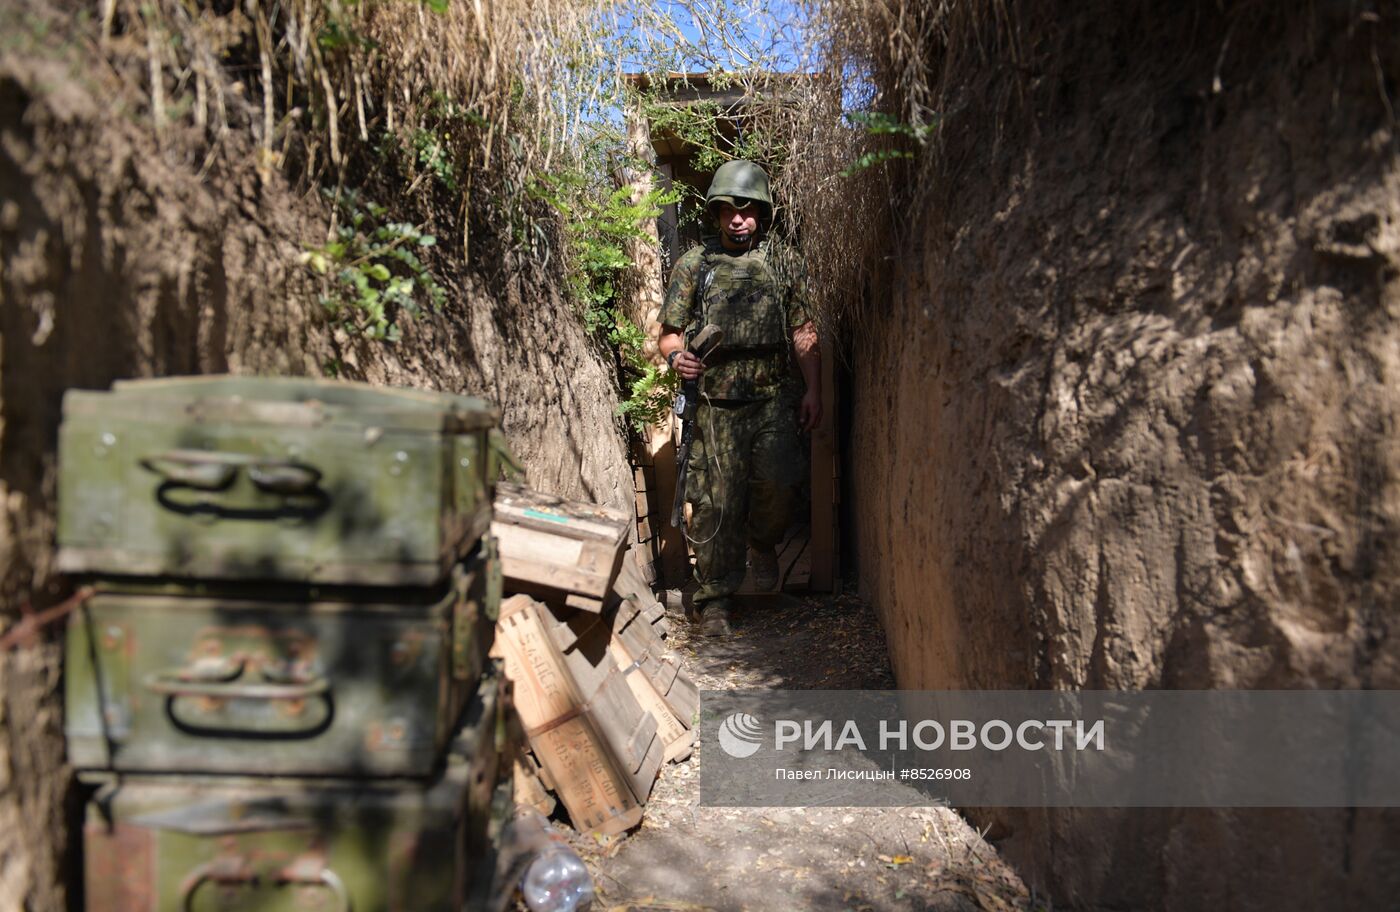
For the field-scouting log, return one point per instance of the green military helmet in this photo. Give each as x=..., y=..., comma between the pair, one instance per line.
x=738, y=183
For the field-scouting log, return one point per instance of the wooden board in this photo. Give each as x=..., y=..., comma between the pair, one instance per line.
x=794, y=564
x=562, y=599
x=671, y=556
x=584, y=642
x=579, y=769
x=558, y=545
x=543, y=689
x=640, y=560
x=679, y=691
x=631, y=733
x=637, y=638
x=633, y=587
x=655, y=614
x=519, y=505
x=596, y=746
x=676, y=734
x=529, y=789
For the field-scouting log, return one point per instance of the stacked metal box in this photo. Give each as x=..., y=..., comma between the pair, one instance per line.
x=280, y=689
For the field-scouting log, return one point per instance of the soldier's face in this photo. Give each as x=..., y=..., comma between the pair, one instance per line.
x=737, y=226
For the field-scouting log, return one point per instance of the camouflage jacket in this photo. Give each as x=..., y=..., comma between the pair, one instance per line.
x=757, y=299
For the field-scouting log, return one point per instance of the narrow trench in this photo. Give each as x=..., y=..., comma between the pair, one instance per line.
x=685, y=857
x=688, y=857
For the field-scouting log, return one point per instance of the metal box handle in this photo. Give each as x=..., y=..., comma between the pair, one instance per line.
x=280, y=477
x=215, y=682
x=180, y=684
x=234, y=870
x=215, y=471
x=195, y=468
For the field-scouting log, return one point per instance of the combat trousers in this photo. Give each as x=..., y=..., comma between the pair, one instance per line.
x=746, y=464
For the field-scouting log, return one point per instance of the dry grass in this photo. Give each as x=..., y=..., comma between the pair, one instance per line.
x=504, y=91
x=909, y=62
x=445, y=110
x=985, y=74
x=450, y=114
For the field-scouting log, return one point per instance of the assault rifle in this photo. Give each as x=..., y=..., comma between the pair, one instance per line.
x=705, y=342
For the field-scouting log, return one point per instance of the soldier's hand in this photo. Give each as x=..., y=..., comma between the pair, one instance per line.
x=688, y=366
x=809, y=413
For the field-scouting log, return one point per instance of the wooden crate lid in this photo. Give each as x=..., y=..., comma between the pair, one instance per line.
x=522, y=506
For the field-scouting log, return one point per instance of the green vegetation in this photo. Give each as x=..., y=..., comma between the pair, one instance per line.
x=707, y=128
x=371, y=272
x=650, y=389
x=435, y=155
x=600, y=225
x=496, y=128
x=875, y=123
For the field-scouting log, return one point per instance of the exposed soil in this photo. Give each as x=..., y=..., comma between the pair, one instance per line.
x=688, y=858
x=1129, y=419
x=121, y=257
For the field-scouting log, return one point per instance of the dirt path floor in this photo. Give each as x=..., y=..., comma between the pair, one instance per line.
x=688, y=858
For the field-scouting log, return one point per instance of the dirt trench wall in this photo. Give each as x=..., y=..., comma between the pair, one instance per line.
x=1129, y=419
x=117, y=261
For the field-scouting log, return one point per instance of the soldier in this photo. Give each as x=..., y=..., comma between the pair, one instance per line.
x=746, y=461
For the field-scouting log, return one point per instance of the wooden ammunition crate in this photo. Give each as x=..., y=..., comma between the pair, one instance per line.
x=676, y=733
x=557, y=548
x=597, y=747
x=636, y=637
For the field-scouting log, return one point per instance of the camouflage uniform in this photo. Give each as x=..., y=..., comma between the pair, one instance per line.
x=745, y=461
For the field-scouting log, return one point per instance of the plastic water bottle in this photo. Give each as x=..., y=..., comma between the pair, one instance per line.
x=557, y=881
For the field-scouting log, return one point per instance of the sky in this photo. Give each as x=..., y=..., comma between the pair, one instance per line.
x=728, y=34
x=701, y=36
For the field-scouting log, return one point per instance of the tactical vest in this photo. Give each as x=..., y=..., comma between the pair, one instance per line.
x=743, y=296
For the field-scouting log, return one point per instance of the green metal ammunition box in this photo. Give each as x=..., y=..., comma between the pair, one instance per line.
x=246, y=681
x=166, y=843
x=272, y=478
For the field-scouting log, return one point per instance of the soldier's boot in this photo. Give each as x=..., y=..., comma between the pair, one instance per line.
x=714, y=620
x=765, y=569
